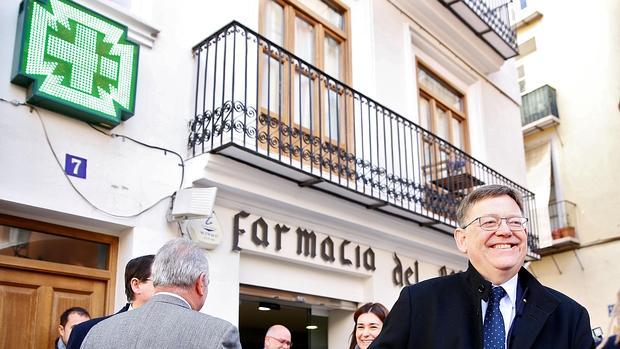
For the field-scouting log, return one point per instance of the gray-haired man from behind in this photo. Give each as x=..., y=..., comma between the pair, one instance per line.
x=171, y=318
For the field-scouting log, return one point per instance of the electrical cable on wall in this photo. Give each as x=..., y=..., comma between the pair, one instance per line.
x=17, y=103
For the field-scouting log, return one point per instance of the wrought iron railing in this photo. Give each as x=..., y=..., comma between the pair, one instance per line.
x=495, y=14
x=256, y=96
x=538, y=104
x=562, y=218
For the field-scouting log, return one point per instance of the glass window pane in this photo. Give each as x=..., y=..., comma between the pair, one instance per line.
x=273, y=22
x=35, y=245
x=302, y=97
x=271, y=84
x=332, y=57
x=304, y=40
x=331, y=114
x=457, y=133
x=440, y=90
x=425, y=114
x=327, y=12
x=443, y=127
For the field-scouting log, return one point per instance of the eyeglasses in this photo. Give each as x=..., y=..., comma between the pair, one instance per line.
x=490, y=223
x=282, y=341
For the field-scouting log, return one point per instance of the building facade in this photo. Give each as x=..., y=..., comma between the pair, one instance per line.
x=568, y=77
x=339, y=137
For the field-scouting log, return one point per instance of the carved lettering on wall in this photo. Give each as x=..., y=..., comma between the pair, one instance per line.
x=280, y=229
x=400, y=278
x=263, y=239
x=306, y=243
x=238, y=231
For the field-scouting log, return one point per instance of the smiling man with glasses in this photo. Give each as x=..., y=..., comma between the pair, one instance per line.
x=496, y=303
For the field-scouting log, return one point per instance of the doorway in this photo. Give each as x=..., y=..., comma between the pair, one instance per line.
x=256, y=315
x=46, y=269
x=306, y=316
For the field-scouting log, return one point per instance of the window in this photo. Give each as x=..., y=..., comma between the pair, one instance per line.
x=446, y=170
x=521, y=78
x=442, y=108
x=295, y=92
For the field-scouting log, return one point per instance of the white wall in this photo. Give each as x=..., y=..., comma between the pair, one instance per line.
x=578, y=48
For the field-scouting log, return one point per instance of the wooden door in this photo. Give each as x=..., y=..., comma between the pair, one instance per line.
x=31, y=303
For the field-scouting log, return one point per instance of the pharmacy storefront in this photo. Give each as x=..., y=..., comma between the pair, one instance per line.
x=307, y=260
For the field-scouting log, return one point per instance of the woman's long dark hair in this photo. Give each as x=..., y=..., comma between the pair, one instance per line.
x=376, y=308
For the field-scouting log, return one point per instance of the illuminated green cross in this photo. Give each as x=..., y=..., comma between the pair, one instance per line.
x=78, y=62
x=82, y=55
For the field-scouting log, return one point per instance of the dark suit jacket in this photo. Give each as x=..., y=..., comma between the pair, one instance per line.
x=445, y=312
x=80, y=331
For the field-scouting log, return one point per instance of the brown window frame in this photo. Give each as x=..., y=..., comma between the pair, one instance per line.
x=436, y=102
x=287, y=114
x=108, y=275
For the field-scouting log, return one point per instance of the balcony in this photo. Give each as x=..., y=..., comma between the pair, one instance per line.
x=562, y=219
x=263, y=106
x=539, y=110
x=489, y=20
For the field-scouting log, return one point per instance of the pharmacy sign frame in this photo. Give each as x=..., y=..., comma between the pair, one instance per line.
x=75, y=61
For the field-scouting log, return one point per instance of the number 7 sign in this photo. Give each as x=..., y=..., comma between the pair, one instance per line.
x=75, y=166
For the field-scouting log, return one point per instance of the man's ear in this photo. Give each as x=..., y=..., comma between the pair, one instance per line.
x=61, y=330
x=201, y=284
x=460, y=236
x=135, y=285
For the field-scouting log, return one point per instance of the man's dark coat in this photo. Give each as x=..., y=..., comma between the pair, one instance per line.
x=445, y=312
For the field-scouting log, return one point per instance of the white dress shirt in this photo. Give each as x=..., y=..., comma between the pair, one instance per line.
x=507, y=305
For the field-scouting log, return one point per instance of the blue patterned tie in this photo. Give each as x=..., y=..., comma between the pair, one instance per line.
x=494, y=332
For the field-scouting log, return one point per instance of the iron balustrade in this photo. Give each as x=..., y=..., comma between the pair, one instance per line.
x=562, y=218
x=493, y=15
x=255, y=96
x=538, y=104
x=497, y=16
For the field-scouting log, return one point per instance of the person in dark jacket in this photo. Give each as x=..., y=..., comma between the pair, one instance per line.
x=496, y=303
x=68, y=320
x=138, y=289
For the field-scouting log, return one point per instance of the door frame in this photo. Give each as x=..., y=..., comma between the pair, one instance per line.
x=109, y=275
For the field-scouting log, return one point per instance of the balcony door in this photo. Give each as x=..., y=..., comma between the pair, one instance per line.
x=447, y=171
x=302, y=99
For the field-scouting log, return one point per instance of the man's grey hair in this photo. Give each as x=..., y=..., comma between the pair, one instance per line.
x=179, y=263
x=486, y=192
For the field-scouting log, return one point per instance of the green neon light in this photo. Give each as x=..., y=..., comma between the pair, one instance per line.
x=75, y=61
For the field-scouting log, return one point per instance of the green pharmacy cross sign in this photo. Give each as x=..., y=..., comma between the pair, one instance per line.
x=75, y=61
